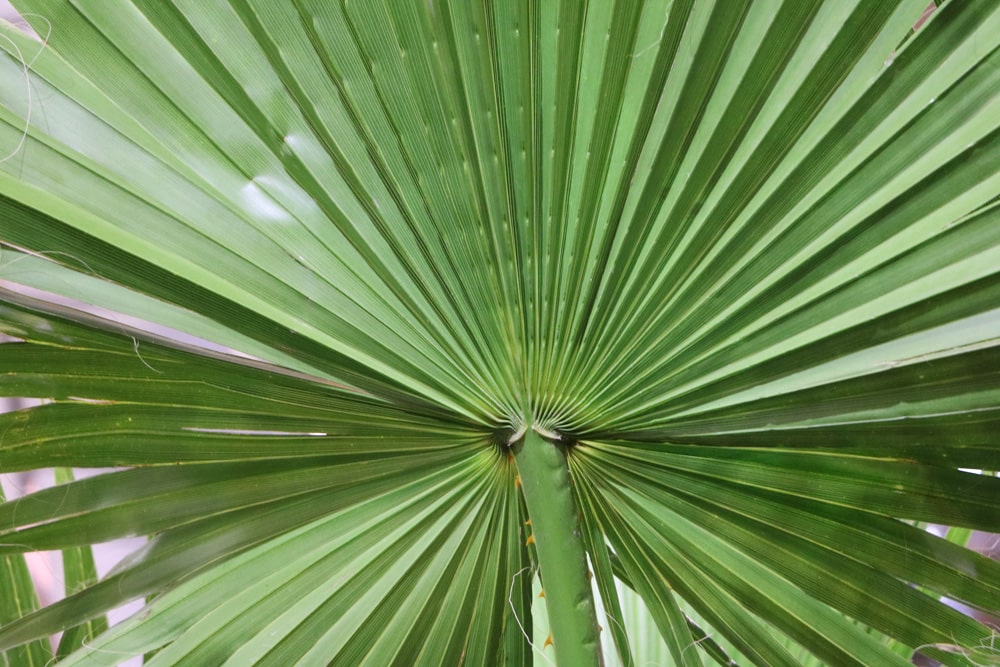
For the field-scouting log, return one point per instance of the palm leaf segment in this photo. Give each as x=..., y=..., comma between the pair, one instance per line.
x=739, y=261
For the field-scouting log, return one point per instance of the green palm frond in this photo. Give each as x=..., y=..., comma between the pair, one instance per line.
x=382, y=308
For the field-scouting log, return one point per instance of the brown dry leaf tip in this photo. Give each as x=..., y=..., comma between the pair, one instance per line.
x=517, y=481
x=548, y=641
x=541, y=593
x=531, y=540
x=926, y=14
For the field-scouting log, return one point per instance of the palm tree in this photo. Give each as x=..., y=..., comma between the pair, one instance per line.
x=700, y=298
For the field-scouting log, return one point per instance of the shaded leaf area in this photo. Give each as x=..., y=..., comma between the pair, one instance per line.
x=753, y=531
x=253, y=453
x=742, y=257
x=331, y=587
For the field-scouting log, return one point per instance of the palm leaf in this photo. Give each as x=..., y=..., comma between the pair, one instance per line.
x=19, y=600
x=79, y=572
x=376, y=303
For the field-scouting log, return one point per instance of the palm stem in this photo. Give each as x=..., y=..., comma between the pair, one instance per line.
x=562, y=560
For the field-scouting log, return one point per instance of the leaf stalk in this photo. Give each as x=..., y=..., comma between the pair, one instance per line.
x=562, y=560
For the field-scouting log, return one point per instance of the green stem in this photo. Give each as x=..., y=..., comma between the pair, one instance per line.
x=562, y=560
